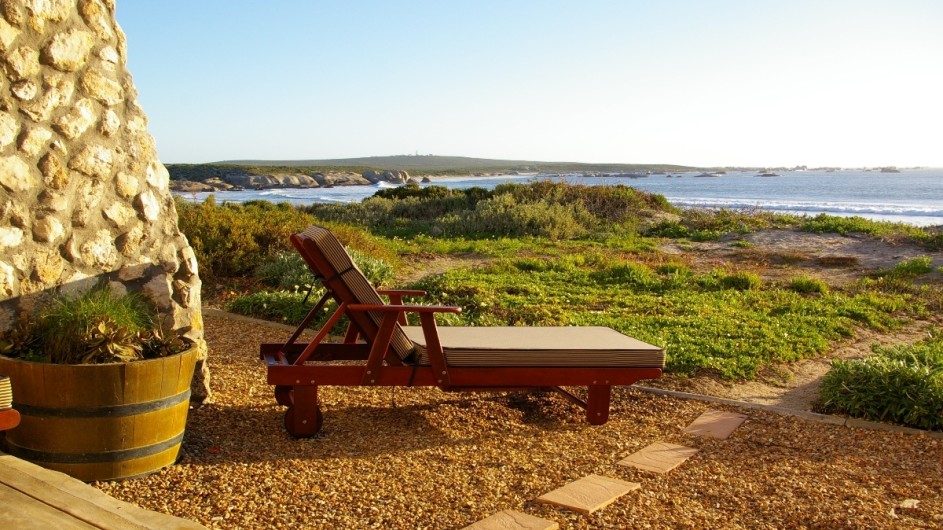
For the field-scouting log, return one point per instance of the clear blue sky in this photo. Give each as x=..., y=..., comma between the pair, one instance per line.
x=700, y=82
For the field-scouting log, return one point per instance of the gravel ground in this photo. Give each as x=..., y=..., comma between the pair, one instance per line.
x=440, y=460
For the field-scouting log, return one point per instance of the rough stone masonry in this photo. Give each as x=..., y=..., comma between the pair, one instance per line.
x=83, y=197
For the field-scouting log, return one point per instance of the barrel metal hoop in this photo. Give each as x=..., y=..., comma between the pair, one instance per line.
x=114, y=411
x=93, y=458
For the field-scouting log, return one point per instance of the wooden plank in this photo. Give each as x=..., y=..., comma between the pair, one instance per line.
x=22, y=512
x=81, y=501
x=589, y=494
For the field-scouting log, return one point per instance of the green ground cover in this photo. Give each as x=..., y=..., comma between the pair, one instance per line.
x=558, y=254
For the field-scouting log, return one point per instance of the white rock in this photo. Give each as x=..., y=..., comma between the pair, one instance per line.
x=8, y=34
x=68, y=51
x=110, y=123
x=99, y=252
x=25, y=90
x=7, y=280
x=118, y=213
x=149, y=205
x=9, y=128
x=127, y=185
x=109, y=55
x=93, y=160
x=106, y=90
x=78, y=120
x=35, y=139
x=15, y=174
x=158, y=176
x=23, y=62
x=10, y=236
x=48, y=229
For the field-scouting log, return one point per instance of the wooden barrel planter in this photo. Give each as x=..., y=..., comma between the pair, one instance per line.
x=100, y=421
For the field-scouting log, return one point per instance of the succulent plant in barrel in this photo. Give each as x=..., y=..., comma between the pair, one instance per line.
x=102, y=390
x=98, y=326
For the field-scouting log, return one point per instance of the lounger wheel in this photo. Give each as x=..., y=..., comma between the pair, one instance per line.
x=303, y=427
x=284, y=395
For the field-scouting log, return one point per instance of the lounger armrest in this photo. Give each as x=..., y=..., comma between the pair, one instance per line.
x=396, y=298
x=387, y=308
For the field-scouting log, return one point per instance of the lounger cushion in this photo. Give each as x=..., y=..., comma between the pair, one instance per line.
x=364, y=293
x=539, y=346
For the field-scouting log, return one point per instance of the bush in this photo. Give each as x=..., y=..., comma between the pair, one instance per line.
x=910, y=268
x=903, y=384
x=377, y=271
x=698, y=224
x=288, y=306
x=807, y=285
x=741, y=281
x=232, y=239
x=555, y=210
x=284, y=270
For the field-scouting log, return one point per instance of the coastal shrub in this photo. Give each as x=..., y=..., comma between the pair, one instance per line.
x=232, y=239
x=909, y=268
x=504, y=215
x=741, y=280
x=902, y=384
x=702, y=224
x=636, y=275
x=808, y=285
x=284, y=270
x=378, y=271
x=284, y=305
x=554, y=210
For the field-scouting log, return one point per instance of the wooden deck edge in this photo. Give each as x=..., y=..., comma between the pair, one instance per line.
x=78, y=500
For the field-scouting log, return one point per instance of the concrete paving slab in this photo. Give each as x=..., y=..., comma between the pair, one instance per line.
x=716, y=424
x=513, y=520
x=659, y=457
x=589, y=494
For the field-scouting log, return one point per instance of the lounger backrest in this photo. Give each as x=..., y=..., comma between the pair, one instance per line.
x=330, y=261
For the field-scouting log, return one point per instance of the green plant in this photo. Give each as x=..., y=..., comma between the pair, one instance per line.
x=909, y=268
x=97, y=326
x=288, y=306
x=284, y=270
x=741, y=281
x=808, y=285
x=377, y=270
x=903, y=384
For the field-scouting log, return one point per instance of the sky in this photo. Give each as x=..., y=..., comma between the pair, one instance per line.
x=758, y=83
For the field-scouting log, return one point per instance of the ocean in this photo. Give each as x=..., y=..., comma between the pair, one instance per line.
x=913, y=196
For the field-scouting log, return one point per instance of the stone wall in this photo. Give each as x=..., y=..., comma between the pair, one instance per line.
x=83, y=197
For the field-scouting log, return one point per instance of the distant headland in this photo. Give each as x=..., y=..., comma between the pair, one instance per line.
x=265, y=174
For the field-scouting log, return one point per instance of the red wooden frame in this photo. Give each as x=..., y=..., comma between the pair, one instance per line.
x=9, y=419
x=297, y=370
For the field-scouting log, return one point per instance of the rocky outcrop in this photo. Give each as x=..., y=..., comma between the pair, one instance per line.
x=294, y=180
x=83, y=196
x=395, y=176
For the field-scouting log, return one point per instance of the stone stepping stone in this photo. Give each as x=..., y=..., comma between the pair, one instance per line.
x=513, y=520
x=659, y=457
x=589, y=493
x=715, y=424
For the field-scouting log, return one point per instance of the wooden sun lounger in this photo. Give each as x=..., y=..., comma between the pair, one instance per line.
x=451, y=358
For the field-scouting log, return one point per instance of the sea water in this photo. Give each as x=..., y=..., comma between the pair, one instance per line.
x=913, y=196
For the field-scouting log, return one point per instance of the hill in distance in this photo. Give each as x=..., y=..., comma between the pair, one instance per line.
x=433, y=164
